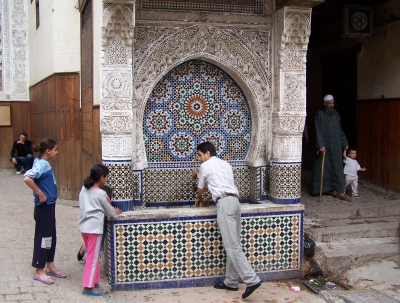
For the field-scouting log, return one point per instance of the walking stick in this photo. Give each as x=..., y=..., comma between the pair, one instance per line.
x=322, y=176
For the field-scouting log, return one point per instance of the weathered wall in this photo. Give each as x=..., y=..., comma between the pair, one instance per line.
x=20, y=120
x=54, y=46
x=378, y=63
x=378, y=105
x=378, y=67
x=378, y=146
x=55, y=113
x=90, y=113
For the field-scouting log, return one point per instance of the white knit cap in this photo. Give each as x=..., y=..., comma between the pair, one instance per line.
x=328, y=98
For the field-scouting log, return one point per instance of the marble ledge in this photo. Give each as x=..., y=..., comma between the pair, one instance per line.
x=156, y=213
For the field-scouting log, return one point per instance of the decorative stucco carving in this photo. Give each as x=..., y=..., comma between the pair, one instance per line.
x=292, y=29
x=116, y=53
x=116, y=123
x=118, y=20
x=116, y=146
x=158, y=49
x=294, y=40
x=14, y=50
x=20, y=50
x=287, y=123
x=286, y=148
x=294, y=92
x=117, y=83
x=116, y=104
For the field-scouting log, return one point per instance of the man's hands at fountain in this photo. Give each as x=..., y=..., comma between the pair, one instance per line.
x=204, y=202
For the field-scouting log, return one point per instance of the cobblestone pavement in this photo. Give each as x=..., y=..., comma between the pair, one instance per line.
x=16, y=245
x=16, y=242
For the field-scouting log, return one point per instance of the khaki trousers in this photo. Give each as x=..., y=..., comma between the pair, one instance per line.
x=228, y=218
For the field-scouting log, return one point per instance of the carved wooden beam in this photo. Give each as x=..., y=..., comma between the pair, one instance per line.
x=298, y=3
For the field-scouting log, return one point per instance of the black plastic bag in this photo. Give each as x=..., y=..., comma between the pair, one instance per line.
x=309, y=247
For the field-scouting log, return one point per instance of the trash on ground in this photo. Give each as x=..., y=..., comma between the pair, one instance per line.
x=295, y=288
x=320, y=283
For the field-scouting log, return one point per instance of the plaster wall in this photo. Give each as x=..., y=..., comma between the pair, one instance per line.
x=54, y=46
x=379, y=64
x=66, y=28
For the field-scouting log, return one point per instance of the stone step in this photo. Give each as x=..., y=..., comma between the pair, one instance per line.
x=341, y=255
x=348, y=210
x=345, y=229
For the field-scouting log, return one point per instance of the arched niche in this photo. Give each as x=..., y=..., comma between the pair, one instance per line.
x=220, y=48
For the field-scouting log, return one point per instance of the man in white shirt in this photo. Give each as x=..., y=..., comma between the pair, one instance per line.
x=217, y=175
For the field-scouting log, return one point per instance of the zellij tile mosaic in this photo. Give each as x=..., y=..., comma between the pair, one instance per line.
x=196, y=102
x=182, y=249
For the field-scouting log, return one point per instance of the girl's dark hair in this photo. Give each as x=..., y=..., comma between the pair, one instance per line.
x=107, y=189
x=207, y=146
x=44, y=145
x=96, y=172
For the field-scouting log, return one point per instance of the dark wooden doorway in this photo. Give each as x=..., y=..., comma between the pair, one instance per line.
x=339, y=78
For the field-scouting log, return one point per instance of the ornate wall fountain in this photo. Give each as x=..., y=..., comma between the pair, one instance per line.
x=174, y=74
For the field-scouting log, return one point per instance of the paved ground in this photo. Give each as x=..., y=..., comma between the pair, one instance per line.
x=17, y=285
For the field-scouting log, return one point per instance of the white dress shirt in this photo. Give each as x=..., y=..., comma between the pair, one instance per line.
x=218, y=175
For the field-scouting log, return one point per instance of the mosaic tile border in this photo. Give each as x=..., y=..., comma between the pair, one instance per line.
x=264, y=182
x=190, y=203
x=201, y=282
x=285, y=182
x=137, y=178
x=189, y=164
x=257, y=176
x=195, y=223
x=176, y=186
x=257, y=8
x=121, y=181
x=135, y=183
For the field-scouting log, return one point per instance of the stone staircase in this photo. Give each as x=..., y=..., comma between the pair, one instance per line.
x=353, y=235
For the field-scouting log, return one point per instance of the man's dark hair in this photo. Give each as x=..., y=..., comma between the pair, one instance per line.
x=24, y=134
x=207, y=146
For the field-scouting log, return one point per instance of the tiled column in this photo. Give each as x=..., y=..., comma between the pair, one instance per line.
x=292, y=30
x=116, y=100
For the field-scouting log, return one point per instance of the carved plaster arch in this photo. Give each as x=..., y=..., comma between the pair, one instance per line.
x=210, y=44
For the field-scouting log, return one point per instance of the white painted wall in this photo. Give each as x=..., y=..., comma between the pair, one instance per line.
x=55, y=46
x=379, y=63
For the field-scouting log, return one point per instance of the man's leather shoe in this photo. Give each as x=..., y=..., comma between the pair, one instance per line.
x=223, y=286
x=250, y=289
x=343, y=198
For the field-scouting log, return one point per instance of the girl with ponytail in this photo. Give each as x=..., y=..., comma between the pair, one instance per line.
x=94, y=204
